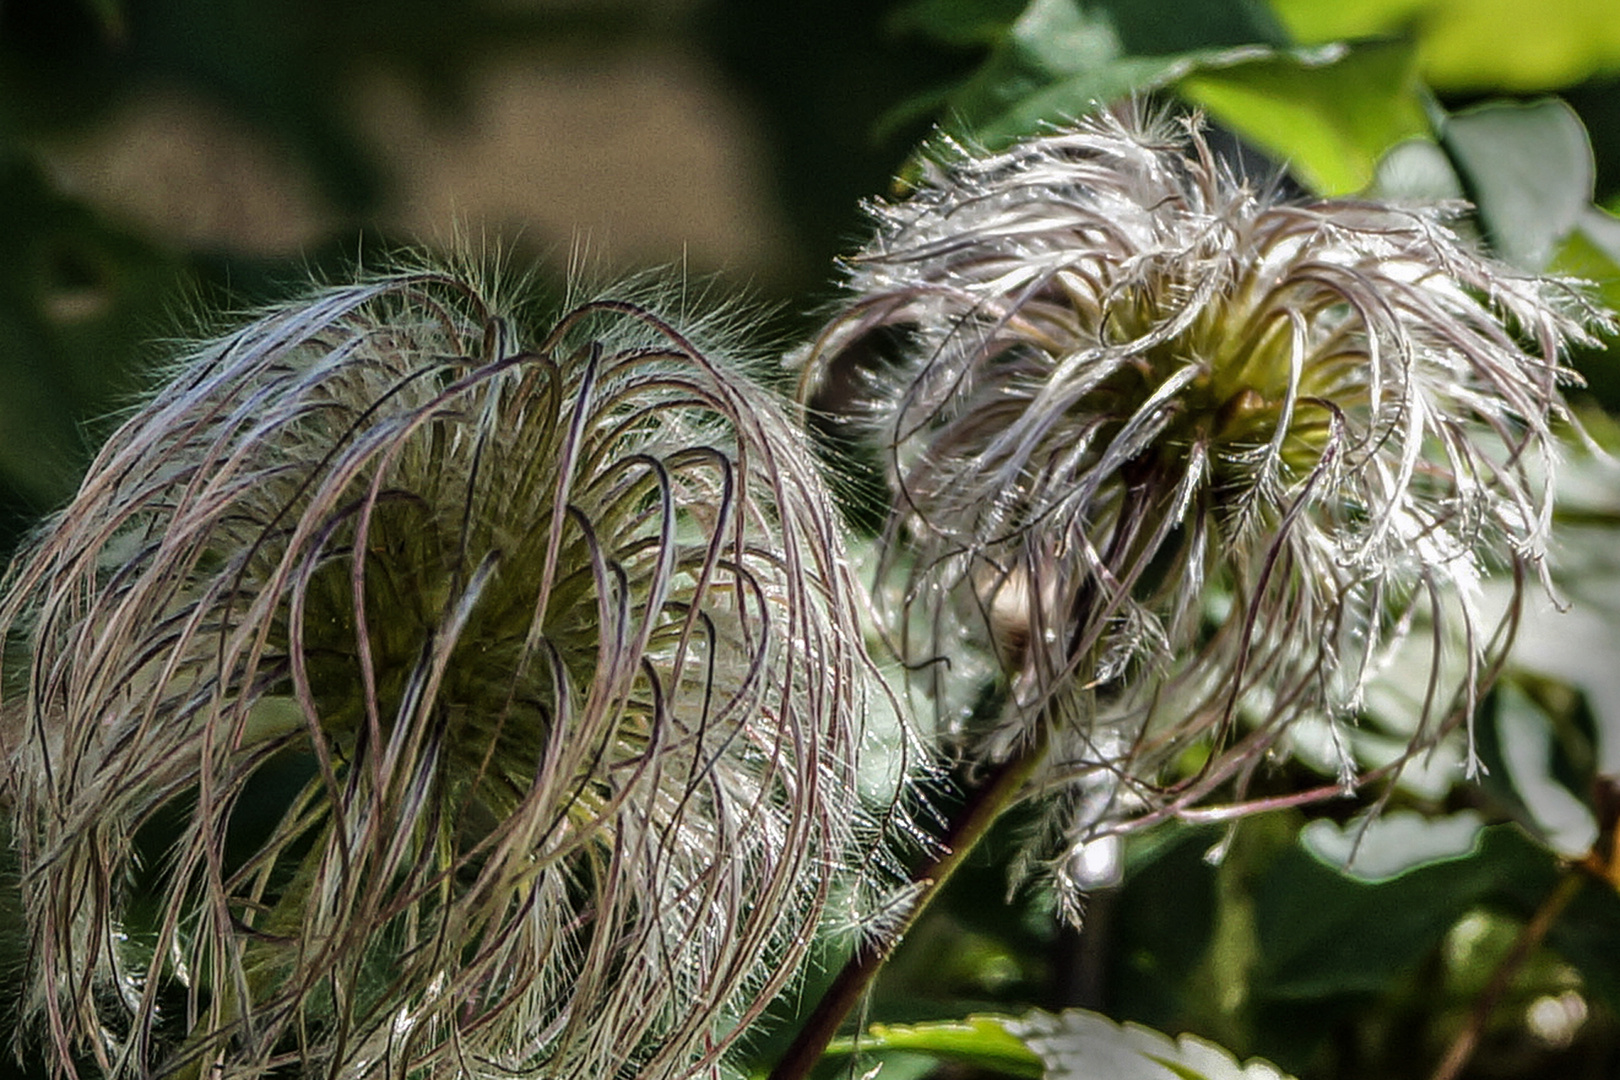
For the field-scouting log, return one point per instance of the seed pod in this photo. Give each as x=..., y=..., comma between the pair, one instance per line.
x=1183, y=460
x=403, y=696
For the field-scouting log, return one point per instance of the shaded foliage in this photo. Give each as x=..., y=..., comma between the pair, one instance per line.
x=1254, y=938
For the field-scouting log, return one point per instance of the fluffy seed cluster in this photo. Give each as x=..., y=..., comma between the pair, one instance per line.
x=406, y=700
x=1184, y=459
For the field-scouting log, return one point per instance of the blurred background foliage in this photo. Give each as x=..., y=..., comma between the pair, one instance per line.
x=164, y=158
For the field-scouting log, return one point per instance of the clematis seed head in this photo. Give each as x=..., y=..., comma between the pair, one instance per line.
x=407, y=695
x=1184, y=460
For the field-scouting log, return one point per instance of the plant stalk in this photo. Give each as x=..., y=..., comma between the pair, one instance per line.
x=984, y=804
x=1467, y=1041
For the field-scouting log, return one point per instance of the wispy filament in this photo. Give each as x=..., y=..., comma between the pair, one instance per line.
x=1182, y=459
x=499, y=708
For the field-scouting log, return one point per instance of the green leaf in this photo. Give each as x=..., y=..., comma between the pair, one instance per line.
x=1323, y=934
x=1072, y=1045
x=1528, y=169
x=1163, y=27
x=1081, y=1045
x=1058, y=61
x=1525, y=745
x=1392, y=844
x=1592, y=252
x=1331, y=114
x=1417, y=171
x=957, y=22
x=1163, y=922
x=985, y=1041
x=1588, y=937
x=1332, y=946
x=1523, y=45
x=1144, y=27
x=1316, y=22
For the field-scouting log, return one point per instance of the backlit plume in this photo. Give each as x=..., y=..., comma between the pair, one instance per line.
x=1183, y=461
x=406, y=696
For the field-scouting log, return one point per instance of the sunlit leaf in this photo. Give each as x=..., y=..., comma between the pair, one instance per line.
x=1317, y=21
x=1417, y=170
x=1523, y=45
x=1072, y=1045
x=985, y=1041
x=1081, y=1045
x=1529, y=170
x=1392, y=844
x=1331, y=112
x=1331, y=115
x=1524, y=740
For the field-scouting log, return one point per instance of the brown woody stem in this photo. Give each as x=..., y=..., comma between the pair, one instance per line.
x=984, y=805
x=1467, y=1041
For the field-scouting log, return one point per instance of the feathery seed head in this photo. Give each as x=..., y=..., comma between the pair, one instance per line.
x=503, y=700
x=1175, y=453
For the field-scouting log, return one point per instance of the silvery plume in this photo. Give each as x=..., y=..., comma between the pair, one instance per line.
x=1185, y=461
x=408, y=696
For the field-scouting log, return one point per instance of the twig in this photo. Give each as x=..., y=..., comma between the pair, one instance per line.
x=1467, y=1041
x=984, y=804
